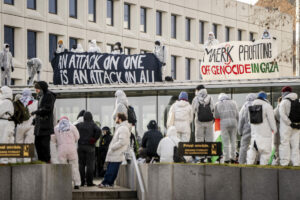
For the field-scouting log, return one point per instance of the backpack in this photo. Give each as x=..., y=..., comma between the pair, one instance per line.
x=204, y=113
x=21, y=112
x=294, y=115
x=176, y=157
x=131, y=115
x=256, y=114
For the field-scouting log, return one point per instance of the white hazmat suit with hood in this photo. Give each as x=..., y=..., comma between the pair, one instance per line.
x=244, y=128
x=7, y=127
x=25, y=130
x=211, y=40
x=226, y=110
x=160, y=52
x=204, y=131
x=93, y=48
x=166, y=146
x=261, y=134
x=289, y=137
x=34, y=66
x=121, y=105
x=6, y=65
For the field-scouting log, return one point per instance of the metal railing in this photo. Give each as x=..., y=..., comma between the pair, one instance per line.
x=138, y=174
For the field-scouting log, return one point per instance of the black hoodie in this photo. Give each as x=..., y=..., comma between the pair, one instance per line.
x=89, y=131
x=151, y=139
x=44, y=114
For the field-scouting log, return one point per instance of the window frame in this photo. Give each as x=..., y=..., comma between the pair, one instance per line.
x=94, y=10
x=12, y=46
x=201, y=32
x=158, y=18
x=227, y=33
x=49, y=11
x=8, y=3
x=111, y=11
x=34, y=7
x=144, y=19
x=173, y=26
x=72, y=38
x=188, y=29
x=187, y=68
x=52, y=51
x=240, y=35
x=215, y=30
x=35, y=44
x=173, y=66
x=251, y=36
x=76, y=9
x=127, y=5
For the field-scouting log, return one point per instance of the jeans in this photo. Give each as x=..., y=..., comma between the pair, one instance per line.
x=42, y=145
x=86, y=154
x=111, y=173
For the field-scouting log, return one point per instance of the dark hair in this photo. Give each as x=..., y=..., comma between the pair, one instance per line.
x=122, y=116
x=74, y=46
x=200, y=87
x=157, y=42
x=81, y=113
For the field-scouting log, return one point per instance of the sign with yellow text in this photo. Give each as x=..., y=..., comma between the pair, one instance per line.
x=200, y=148
x=16, y=150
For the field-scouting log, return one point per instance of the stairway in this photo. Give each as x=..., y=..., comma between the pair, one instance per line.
x=95, y=193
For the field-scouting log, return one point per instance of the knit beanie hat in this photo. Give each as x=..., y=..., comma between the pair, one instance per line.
x=183, y=96
x=286, y=89
x=262, y=95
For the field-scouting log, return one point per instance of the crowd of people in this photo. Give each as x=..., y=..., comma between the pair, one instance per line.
x=84, y=145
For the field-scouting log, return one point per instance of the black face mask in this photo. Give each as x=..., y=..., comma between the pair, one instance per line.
x=7, y=46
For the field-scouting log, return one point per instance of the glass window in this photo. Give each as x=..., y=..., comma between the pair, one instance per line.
x=187, y=29
x=158, y=23
x=72, y=41
x=143, y=51
x=227, y=34
x=11, y=2
x=31, y=4
x=187, y=68
x=143, y=25
x=31, y=44
x=201, y=32
x=173, y=26
x=69, y=107
x=52, y=45
x=110, y=13
x=92, y=10
x=173, y=67
x=127, y=51
x=109, y=48
x=239, y=35
x=9, y=38
x=126, y=16
x=73, y=8
x=53, y=6
x=215, y=30
x=251, y=36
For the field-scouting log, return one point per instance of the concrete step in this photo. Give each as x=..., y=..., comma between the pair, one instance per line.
x=95, y=193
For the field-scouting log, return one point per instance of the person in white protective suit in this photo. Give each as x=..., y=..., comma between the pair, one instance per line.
x=121, y=104
x=266, y=35
x=276, y=137
x=93, y=47
x=289, y=130
x=25, y=130
x=244, y=128
x=166, y=146
x=79, y=49
x=160, y=52
x=6, y=65
x=211, y=41
x=66, y=136
x=7, y=127
x=181, y=116
x=261, y=133
x=203, y=106
x=60, y=47
x=117, y=48
x=34, y=66
x=227, y=111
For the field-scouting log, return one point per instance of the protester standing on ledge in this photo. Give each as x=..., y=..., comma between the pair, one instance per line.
x=118, y=146
x=89, y=134
x=43, y=121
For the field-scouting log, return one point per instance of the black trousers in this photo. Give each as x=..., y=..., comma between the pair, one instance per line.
x=86, y=154
x=42, y=145
x=102, y=162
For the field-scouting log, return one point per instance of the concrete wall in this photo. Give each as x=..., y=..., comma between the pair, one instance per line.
x=36, y=182
x=206, y=182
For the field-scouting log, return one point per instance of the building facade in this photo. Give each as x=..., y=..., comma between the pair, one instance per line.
x=33, y=27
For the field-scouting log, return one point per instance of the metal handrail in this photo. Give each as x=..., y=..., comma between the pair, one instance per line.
x=138, y=174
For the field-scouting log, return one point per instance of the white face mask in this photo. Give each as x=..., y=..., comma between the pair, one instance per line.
x=210, y=37
x=116, y=48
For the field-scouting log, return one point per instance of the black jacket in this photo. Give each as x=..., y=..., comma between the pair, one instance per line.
x=104, y=142
x=89, y=131
x=44, y=114
x=150, y=141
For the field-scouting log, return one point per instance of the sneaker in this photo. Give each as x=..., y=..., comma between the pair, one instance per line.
x=76, y=187
x=91, y=185
x=227, y=161
x=103, y=186
x=202, y=160
x=82, y=184
x=208, y=160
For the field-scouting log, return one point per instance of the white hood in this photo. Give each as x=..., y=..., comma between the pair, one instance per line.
x=292, y=96
x=6, y=93
x=79, y=49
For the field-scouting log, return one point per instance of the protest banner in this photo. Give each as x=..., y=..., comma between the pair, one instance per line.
x=240, y=60
x=96, y=68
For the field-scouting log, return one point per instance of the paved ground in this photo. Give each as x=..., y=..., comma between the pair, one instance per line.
x=96, y=189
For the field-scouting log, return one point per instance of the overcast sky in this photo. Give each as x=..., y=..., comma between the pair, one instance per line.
x=249, y=1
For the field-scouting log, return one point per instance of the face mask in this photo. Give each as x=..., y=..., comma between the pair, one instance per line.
x=266, y=34
x=60, y=45
x=116, y=48
x=210, y=37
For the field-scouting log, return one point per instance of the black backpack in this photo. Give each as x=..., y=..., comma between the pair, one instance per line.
x=176, y=157
x=21, y=112
x=256, y=114
x=295, y=111
x=131, y=115
x=204, y=113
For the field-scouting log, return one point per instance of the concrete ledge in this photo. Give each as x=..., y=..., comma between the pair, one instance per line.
x=5, y=182
x=289, y=182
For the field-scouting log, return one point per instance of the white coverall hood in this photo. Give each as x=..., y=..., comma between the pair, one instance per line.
x=6, y=93
x=93, y=47
x=211, y=40
x=4, y=47
x=292, y=96
x=223, y=97
x=79, y=49
x=121, y=97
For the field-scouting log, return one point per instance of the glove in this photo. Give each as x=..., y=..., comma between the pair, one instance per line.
x=33, y=122
x=38, y=72
x=2, y=69
x=33, y=113
x=12, y=69
x=92, y=141
x=164, y=64
x=296, y=126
